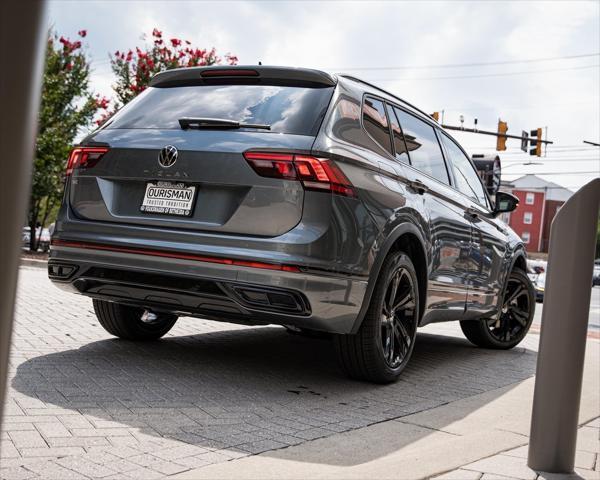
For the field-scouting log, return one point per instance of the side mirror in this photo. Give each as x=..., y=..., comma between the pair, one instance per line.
x=505, y=202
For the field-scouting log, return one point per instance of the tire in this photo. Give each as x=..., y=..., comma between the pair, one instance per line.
x=507, y=329
x=126, y=322
x=366, y=355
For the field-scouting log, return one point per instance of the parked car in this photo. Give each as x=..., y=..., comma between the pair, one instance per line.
x=43, y=235
x=44, y=240
x=266, y=195
x=596, y=276
x=25, y=237
x=539, y=285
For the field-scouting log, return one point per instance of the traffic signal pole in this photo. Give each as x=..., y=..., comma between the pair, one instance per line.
x=493, y=134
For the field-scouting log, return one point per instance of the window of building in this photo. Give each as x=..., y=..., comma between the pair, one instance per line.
x=376, y=123
x=530, y=198
x=527, y=218
x=525, y=237
x=423, y=146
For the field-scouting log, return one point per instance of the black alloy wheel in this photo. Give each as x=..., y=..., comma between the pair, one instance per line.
x=506, y=329
x=383, y=345
x=398, y=324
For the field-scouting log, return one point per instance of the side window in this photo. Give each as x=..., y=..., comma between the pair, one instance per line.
x=376, y=123
x=423, y=146
x=467, y=180
x=397, y=137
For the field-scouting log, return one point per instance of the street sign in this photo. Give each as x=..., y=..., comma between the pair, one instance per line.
x=525, y=135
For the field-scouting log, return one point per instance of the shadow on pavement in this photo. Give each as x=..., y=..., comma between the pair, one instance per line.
x=256, y=389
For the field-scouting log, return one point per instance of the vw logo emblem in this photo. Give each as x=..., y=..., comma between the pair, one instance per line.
x=167, y=156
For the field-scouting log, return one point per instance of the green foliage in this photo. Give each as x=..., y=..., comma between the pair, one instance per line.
x=134, y=68
x=67, y=106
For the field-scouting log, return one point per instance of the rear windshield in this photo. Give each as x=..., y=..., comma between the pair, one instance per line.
x=296, y=110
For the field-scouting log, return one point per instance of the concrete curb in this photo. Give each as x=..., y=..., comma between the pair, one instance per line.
x=32, y=262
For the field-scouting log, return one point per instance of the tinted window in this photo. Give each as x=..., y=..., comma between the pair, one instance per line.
x=467, y=180
x=423, y=146
x=376, y=123
x=399, y=145
x=295, y=110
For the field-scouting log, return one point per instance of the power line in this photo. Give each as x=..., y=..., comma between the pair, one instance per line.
x=551, y=160
x=506, y=74
x=475, y=64
x=553, y=173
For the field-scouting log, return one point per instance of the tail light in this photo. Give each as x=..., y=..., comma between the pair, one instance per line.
x=320, y=174
x=83, y=157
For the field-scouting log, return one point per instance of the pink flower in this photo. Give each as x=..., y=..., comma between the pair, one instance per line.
x=175, y=42
x=82, y=33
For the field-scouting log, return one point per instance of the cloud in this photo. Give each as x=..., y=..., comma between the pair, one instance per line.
x=330, y=35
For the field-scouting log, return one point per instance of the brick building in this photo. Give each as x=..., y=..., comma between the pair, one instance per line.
x=539, y=200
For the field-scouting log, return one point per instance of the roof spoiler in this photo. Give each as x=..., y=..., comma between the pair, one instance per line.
x=242, y=74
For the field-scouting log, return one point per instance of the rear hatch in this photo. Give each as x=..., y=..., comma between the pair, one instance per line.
x=174, y=157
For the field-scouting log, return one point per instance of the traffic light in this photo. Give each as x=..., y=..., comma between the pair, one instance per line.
x=501, y=139
x=537, y=134
x=436, y=116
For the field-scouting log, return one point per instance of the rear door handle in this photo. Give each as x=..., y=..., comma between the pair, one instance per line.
x=418, y=186
x=472, y=212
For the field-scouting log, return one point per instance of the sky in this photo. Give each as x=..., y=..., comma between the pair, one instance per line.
x=531, y=64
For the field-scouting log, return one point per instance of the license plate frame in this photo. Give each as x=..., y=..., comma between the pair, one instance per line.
x=179, y=203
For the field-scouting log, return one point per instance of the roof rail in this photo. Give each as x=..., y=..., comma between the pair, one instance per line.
x=350, y=77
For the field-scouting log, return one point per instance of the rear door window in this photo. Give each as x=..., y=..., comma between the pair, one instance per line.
x=423, y=147
x=376, y=123
x=296, y=110
x=399, y=145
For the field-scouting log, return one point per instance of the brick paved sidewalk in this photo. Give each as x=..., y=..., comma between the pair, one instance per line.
x=84, y=405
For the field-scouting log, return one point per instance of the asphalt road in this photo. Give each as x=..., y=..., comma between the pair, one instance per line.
x=594, y=318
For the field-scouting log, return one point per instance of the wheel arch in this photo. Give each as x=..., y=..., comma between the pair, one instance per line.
x=518, y=260
x=407, y=238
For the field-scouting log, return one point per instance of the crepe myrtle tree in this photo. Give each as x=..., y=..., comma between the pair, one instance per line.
x=68, y=107
x=135, y=67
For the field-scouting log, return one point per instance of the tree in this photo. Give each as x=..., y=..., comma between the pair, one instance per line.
x=135, y=68
x=67, y=107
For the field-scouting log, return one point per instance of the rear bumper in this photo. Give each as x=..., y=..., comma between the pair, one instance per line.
x=233, y=293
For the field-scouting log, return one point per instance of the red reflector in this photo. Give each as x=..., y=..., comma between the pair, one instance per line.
x=83, y=157
x=181, y=256
x=314, y=173
x=229, y=72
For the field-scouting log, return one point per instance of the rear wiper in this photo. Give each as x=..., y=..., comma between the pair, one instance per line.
x=217, y=123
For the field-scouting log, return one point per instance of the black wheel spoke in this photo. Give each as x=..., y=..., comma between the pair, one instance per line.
x=402, y=335
x=515, y=313
x=404, y=301
x=519, y=315
x=517, y=293
x=393, y=292
x=398, y=318
x=390, y=343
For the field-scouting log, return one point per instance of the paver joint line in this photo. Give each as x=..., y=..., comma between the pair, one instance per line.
x=214, y=391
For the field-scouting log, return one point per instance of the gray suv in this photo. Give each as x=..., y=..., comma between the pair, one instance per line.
x=267, y=195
